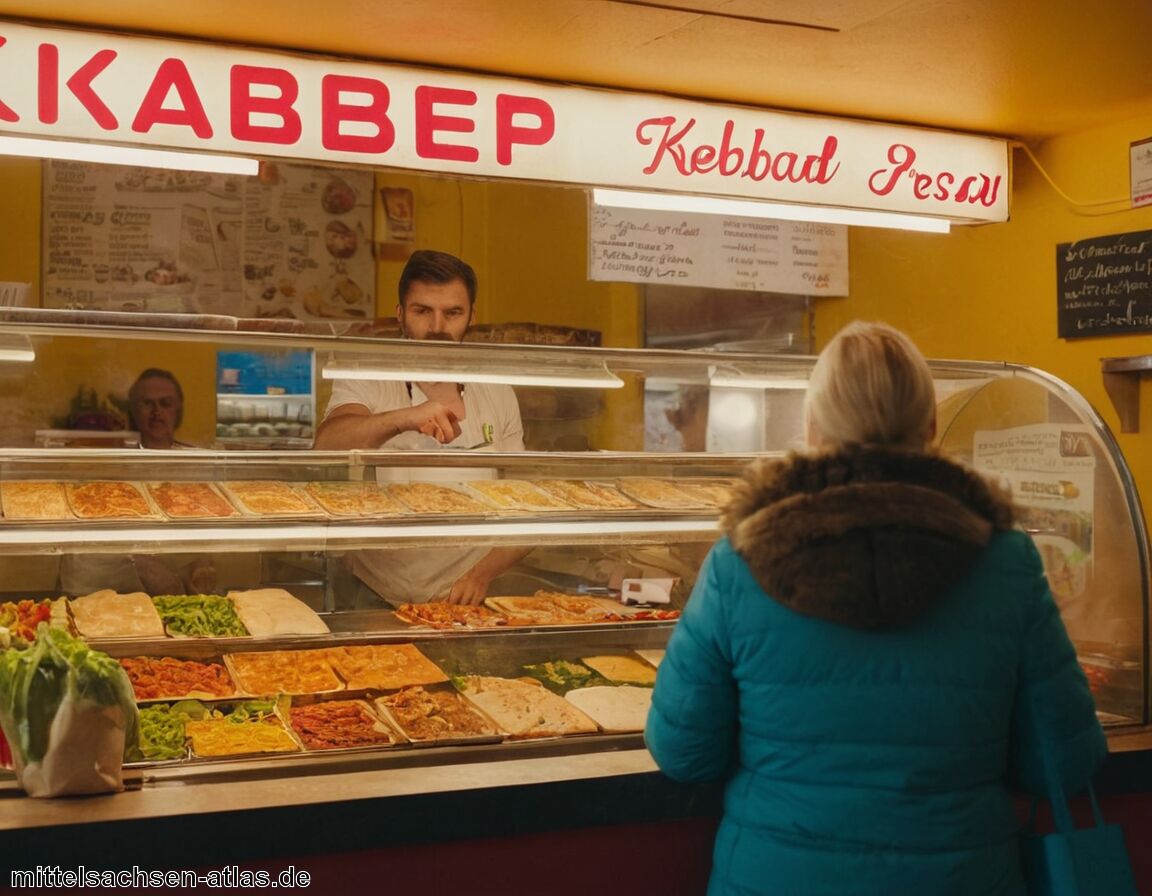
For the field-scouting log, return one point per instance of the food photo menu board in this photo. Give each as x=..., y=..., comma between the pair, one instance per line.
x=717, y=251
x=295, y=241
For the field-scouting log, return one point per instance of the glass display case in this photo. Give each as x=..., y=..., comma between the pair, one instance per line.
x=1016, y=423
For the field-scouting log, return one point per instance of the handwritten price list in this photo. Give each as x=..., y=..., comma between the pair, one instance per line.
x=1104, y=285
x=718, y=251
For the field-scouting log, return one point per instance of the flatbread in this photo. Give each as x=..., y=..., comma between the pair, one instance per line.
x=653, y=656
x=525, y=710
x=585, y=495
x=168, y=678
x=283, y=672
x=354, y=498
x=514, y=494
x=426, y=497
x=108, y=501
x=228, y=737
x=383, y=667
x=439, y=614
x=273, y=611
x=191, y=500
x=339, y=725
x=34, y=501
x=715, y=493
x=617, y=667
x=614, y=709
x=659, y=493
x=426, y=715
x=555, y=608
x=106, y=614
x=270, y=498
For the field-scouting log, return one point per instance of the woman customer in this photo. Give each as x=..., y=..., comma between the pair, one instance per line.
x=867, y=655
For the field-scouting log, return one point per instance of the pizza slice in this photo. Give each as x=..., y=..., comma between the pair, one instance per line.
x=108, y=501
x=34, y=501
x=382, y=667
x=191, y=500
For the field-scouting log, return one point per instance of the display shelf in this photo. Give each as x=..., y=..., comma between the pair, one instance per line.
x=1122, y=378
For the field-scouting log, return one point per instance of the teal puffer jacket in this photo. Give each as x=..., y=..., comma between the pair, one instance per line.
x=865, y=658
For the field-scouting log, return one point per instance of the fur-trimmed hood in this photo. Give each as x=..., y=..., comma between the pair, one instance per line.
x=861, y=536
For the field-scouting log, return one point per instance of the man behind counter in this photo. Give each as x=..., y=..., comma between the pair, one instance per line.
x=437, y=295
x=156, y=408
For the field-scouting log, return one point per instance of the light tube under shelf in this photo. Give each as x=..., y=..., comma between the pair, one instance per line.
x=110, y=154
x=752, y=208
x=16, y=348
x=322, y=534
x=576, y=378
x=737, y=380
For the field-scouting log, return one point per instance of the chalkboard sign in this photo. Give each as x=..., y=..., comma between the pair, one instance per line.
x=1104, y=285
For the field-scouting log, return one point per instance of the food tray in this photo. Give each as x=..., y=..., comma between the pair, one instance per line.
x=191, y=501
x=586, y=495
x=110, y=615
x=659, y=493
x=376, y=732
x=110, y=500
x=34, y=500
x=622, y=668
x=164, y=679
x=295, y=672
x=224, y=736
x=438, y=498
x=525, y=711
x=441, y=615
x=518, y=495
x=270, y=498
x=192, y=610
x=617, y=710
x=711, y=492
x=381, y=667
x=355, y=499
x=434, y=715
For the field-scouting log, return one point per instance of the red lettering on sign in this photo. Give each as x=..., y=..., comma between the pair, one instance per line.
x=974, y=188
x=428, y=123
x=729, y=159
x=6, y=112
x=509, y=134
x=81, y=86
x=669, y=142
x=245, y=105
x=48, y=87
x=172, y=74
x=335, y=111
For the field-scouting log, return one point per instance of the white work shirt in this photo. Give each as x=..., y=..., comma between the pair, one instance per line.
x=418, y=575
x=485, y=404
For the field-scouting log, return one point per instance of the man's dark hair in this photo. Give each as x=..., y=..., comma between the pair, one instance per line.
x=430, y=266
x=158, y=374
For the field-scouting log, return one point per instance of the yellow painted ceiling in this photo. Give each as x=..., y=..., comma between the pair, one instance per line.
x=1019, y=68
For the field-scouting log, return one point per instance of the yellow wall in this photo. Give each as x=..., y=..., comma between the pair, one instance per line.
x=990, y=292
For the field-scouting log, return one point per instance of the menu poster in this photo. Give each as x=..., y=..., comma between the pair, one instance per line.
x=1104, y=285
x=308, y=243
x=294, y=242
x=717, y=251
x=1050, y=469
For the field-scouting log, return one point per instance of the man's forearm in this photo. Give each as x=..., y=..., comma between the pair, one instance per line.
x=349, y=431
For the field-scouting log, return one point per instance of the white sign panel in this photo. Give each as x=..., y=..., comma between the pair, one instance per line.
x=1051, y=471
x=115, y=88
x=718, y=252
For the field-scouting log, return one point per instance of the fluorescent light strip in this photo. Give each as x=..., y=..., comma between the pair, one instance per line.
x=318, y=534
x=749, y=208
x=110, y=154
x=588, y=378
x=740, y=381
x=16, y=348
